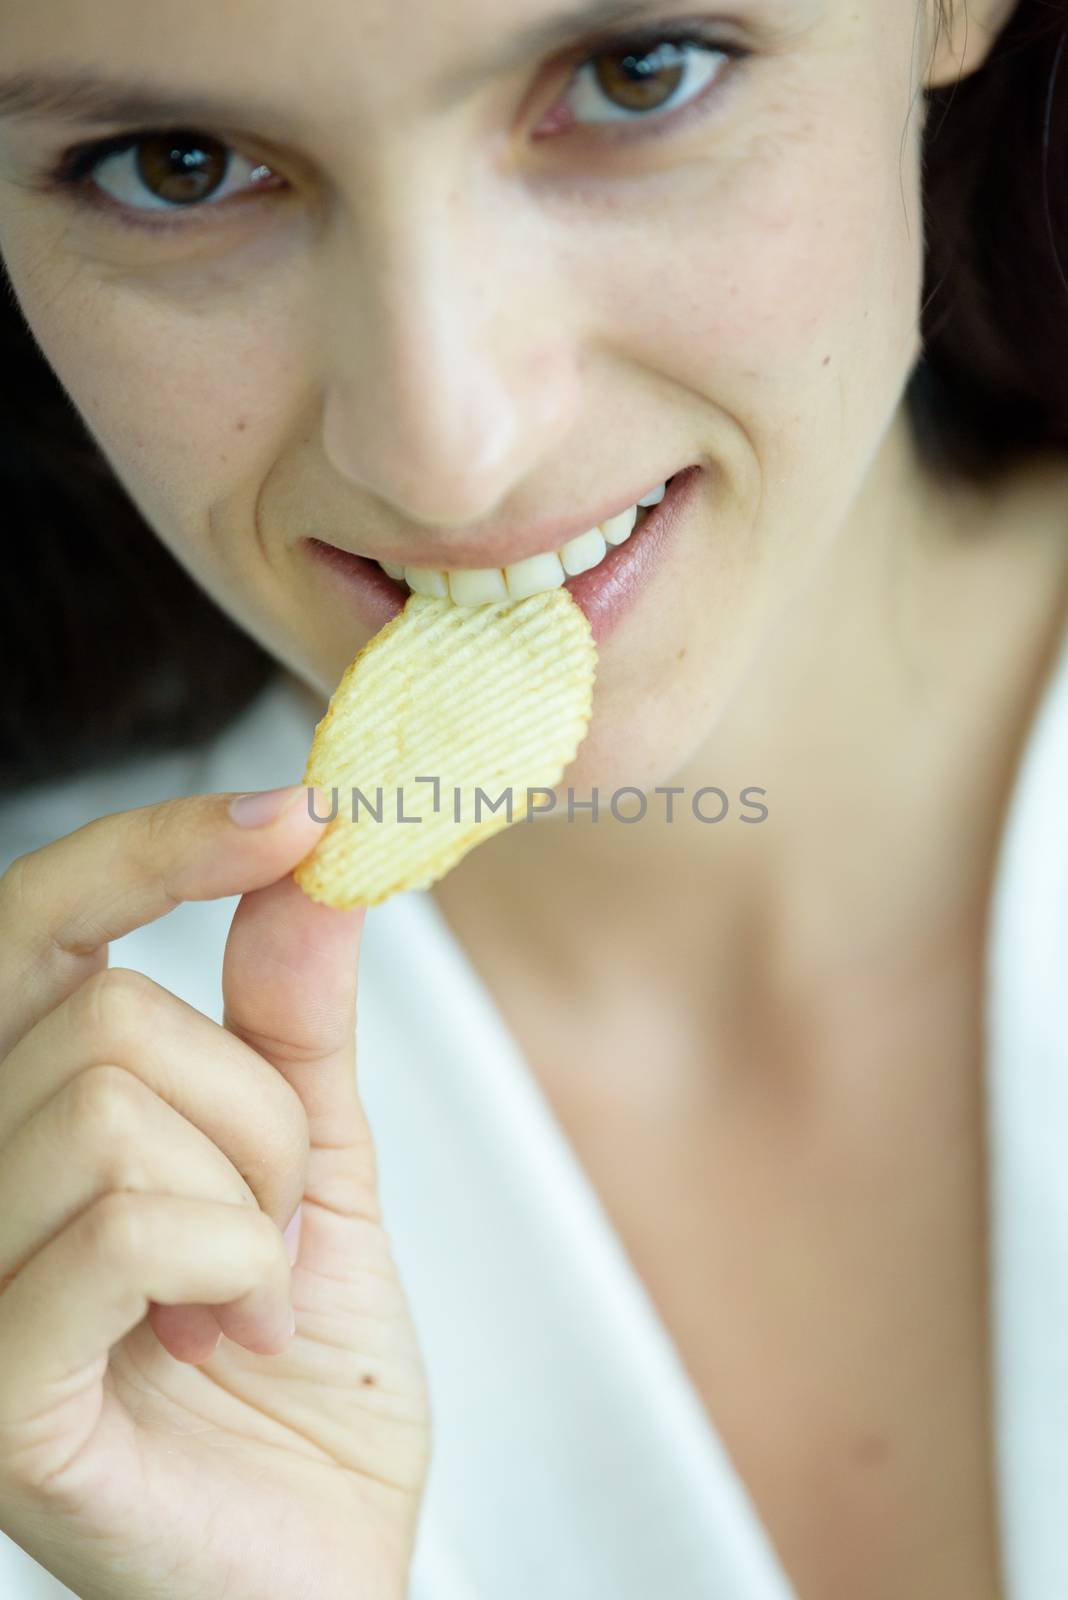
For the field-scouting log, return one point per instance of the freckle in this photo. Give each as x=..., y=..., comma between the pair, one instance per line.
x=368, y=1380
x=242, y=424
x=826, y=361
x=871, y=1449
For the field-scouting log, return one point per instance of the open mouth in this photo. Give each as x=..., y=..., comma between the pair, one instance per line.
x=606, y=570
x=585, y=554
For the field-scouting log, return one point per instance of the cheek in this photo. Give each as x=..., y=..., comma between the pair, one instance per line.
x=787, y=293
x=185, y=405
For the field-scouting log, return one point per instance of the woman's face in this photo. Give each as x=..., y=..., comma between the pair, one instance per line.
x=431, y=303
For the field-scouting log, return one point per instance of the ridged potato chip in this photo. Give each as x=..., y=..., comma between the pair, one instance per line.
x=446, y=704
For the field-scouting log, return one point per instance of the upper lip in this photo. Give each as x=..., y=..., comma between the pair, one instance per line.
x=504, y=546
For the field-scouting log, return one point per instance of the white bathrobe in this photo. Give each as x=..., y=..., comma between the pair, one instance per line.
x=573, y=1459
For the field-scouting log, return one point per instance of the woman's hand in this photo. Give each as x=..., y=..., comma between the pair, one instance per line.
x=149, y=1159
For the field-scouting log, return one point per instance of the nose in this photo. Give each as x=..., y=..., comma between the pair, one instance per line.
x=450, y=368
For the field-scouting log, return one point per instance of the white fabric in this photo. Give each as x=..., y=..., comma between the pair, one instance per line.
x=1027, y=1098
x=573, y=1458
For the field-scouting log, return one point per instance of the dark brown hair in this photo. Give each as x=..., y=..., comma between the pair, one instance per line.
x=994, y=380
x=108, y=648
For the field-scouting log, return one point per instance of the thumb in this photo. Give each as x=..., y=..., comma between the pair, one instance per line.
x=289, y=991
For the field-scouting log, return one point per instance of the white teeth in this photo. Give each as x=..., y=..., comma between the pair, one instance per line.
x=617, y=530
x=474, y=586
x=534, y=575
x=427, y=580
x=582, y=553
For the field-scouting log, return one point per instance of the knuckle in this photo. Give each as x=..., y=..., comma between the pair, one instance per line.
x=103, y=1107
x=16, y=886
x=269, y=1243
x=293, y=1133
x=119, y=1003
x=162, y=825
x=155, y=836
x=290, y=1154
x=283, y=1135
x=115, y=1227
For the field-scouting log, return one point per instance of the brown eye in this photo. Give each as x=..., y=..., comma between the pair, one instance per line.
x=640, y=82
x=181, y=169
x=172, y=171
x=631, y=82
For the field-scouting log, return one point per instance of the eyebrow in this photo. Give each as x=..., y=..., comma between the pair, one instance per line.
x=87, y=96
x=553, y=33
x=90, y=97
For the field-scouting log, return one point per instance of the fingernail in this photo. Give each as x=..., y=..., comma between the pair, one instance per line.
x=257, y=810
x=291, y=1235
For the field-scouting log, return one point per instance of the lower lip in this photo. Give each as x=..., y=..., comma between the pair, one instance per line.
x=606, y=593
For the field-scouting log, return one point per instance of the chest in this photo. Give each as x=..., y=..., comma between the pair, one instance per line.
x=814, y=1242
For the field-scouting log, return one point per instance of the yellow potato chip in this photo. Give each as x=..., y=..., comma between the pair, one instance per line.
x=437, y=734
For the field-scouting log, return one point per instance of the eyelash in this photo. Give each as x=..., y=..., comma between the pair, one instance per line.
x=72, y=173
x=657, y=124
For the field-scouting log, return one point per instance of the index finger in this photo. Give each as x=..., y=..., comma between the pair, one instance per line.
x=62, y=904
